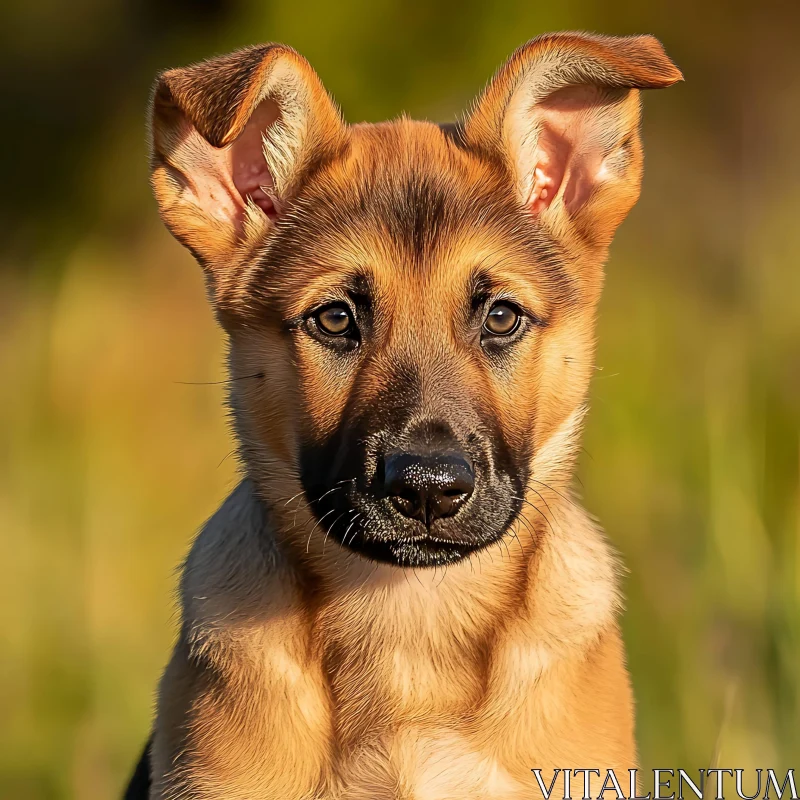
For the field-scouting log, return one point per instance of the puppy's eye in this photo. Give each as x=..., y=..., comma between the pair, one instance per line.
x=502, y=320
x=334, y=320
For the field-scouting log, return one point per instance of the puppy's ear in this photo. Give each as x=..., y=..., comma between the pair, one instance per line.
x=231, y=139
x=564, y=112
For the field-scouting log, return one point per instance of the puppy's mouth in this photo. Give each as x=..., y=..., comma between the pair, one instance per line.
x=371, y=527
x=422, y=550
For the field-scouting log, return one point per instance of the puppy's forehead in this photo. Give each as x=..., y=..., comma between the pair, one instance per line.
x=406, y=202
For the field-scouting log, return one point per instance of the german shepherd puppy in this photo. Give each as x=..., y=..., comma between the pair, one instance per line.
x=400, y=599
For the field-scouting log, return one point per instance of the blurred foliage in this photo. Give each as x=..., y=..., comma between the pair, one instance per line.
x=113, y=443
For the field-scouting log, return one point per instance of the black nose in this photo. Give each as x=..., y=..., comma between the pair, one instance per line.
x=428, y=487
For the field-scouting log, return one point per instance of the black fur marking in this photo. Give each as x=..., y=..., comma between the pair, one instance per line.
x=342, y=480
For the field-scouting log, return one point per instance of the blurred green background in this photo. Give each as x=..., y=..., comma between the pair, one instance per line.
x=113, y=442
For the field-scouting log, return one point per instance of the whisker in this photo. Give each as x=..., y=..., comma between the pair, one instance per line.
x=503, y=541
x=329, y=529
x=518, y=541
x=547, y=505
x=225, y=458
x=330, y=491
x=294, y=497
x=352, y=522
x=326, y=514
x=220, y=383
x=325, y=494
x=539, y=511
x=531, y=531
x=525, y=501
x=555, y=491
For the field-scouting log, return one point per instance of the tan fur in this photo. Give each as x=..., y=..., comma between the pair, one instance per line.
x=303, y=670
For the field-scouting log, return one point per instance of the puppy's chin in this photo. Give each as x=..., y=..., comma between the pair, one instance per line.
x=421, y=551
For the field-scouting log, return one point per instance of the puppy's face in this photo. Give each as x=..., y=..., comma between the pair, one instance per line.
x=410, y=309
x=416, y=302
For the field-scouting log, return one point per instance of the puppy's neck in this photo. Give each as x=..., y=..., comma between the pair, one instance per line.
x=555, y=573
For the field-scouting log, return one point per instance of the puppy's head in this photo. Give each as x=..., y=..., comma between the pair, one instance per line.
x=410, y=307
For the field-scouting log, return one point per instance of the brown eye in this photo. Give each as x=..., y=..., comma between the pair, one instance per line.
x=502, y=320
x=334, y=320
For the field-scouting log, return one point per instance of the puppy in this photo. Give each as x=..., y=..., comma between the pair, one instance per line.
x=400, y=599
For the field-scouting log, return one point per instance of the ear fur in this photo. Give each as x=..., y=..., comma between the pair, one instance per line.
x=231, y=138
x=564, y=114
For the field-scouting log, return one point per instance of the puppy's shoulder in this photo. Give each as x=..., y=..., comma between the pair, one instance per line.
x=236, y=565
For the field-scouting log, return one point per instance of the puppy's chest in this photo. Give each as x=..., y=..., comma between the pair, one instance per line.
x=378, y=689
x=425, y=763
x=408, y=724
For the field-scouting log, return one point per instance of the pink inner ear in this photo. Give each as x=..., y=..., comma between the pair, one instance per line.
x=569, y=148
x=551, y=159
x=207, y=173
x=249, y=170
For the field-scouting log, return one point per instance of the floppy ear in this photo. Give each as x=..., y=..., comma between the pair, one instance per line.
x=231, y=138
x=564, y=112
